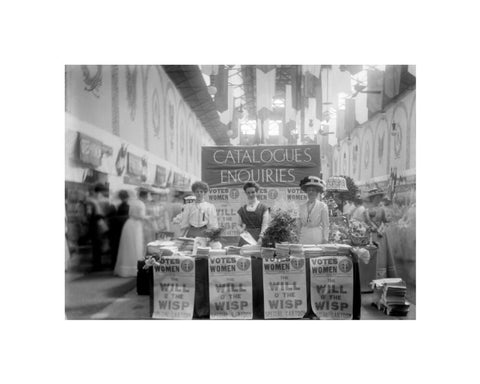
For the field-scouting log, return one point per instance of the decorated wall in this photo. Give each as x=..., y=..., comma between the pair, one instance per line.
x=134, y=122
x=377, y=147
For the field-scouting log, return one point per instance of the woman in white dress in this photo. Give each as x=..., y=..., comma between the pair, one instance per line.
x=132, y=247
x=313, y=221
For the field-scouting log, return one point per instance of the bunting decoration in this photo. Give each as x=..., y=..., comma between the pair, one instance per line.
x=353, y=69
x=226, y=116
x=290, y=113
x=265, y=75
x=412, y=69
x=318, y=98
x=313, y=87
x=221, y=83
x=210, y=69
x=233, y=125
x=297, y=94
x=391, y=85
x=375, y=81
x=340, y=129
x=350, y=121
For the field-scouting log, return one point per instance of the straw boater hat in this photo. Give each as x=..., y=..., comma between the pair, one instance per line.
x=312, y=181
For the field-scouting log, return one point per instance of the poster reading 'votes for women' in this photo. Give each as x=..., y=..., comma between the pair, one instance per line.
x=284, y=288
x=331, y=287
x=230, y=279
x=174, y=288
x=277, y=169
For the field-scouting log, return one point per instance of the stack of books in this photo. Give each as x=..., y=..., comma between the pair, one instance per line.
x=389, y=295
x=161, y=248
x=232, y=250
x=217, y=252
x=203, y=251
x=296, y=250
x=312, y=252
x=282, y=250
x=250, y=250
x=268, y=253
x=185, y=244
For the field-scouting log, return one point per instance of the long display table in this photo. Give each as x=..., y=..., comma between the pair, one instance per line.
x=202, y=307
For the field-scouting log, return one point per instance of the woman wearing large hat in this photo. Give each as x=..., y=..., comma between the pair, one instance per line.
x=313, y=220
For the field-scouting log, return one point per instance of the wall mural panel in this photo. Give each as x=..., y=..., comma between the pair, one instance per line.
x=131, y=122
x=190, y=130
x=345, y=159
x=155, y=112
x=131, y=72
x=379, y=151
x=411, y=158
x=381, y=147
x=366, y=155
x=171, y=120
x=355, y=148
x=336, y=162
x=398, y=147
x=89, y=95
x=181, y=127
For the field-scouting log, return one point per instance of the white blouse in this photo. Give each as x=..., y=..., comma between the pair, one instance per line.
x=198, y=215
x=315, y=215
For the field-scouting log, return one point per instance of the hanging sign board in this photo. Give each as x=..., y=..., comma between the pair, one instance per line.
x=284, y=288
x=331, y=287
x=230, y=279
x=277, y=169
x=273, y=166
x=174, y=288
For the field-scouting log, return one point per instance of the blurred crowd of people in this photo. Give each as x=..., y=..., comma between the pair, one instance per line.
x=377, y=210
x=117, y=226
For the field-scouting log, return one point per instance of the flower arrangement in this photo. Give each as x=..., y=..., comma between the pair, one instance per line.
x=282, y=228
x=359, y=232
x=339, y=230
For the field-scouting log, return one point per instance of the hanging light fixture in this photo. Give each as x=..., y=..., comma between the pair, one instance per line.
x=212, y=90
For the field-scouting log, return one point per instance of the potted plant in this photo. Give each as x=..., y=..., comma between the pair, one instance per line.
x=282, y=228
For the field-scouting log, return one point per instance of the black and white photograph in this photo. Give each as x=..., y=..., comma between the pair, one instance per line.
x=240, y=192
x=211, y=191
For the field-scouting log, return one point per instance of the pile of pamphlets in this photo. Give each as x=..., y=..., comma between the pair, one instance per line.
x=389, y=296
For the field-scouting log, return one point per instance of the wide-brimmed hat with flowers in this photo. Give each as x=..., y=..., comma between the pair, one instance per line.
x=312, y=181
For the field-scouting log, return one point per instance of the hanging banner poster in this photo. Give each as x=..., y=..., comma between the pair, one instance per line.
x=230, y=288
x=331, y=287
x=284, y=288
x=277, y=169
x=174, y=288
